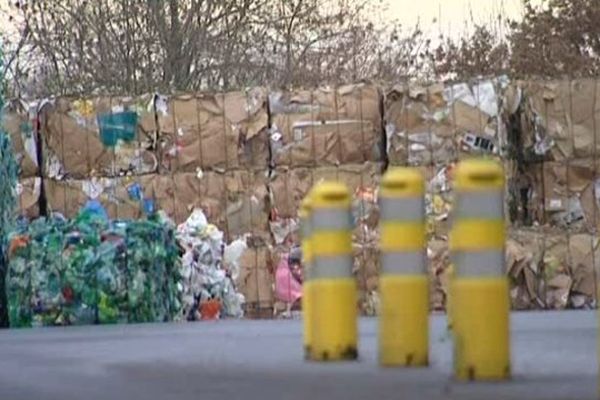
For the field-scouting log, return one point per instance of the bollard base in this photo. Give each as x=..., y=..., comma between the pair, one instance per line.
x=404, y=321
x=335, y=324
x=481, y=329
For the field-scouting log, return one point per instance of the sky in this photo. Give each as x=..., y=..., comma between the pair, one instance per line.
x=453, y=15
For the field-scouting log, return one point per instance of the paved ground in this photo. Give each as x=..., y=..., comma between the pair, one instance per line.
x=554, y=357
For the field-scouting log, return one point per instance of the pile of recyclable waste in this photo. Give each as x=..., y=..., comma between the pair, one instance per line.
x=209, y=270
x=90, y=270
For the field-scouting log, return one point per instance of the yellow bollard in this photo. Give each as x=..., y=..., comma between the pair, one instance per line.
x=333, y=288
x=404, y=284
x=305, y=232
x=480, y=293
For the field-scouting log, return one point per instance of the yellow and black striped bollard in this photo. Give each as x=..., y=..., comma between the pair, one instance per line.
x=307, y=259
x=479, y=289
x=333, y=288
x=404, y=285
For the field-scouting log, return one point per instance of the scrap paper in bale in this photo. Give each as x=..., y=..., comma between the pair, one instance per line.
x=326, y=126
x=436, y=124
x=74, y=148
x=214, y=131
x=115, y=194
x=571, y=194
x=235, y=201
x=19, y=126
x=560, y=118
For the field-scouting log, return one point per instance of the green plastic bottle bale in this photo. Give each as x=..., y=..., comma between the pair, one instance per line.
x=93, y=271
x=8, y=198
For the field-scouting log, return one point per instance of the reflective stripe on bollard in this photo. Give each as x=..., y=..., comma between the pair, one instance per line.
x=479, y=288
x=403, y=285
x=333, y=288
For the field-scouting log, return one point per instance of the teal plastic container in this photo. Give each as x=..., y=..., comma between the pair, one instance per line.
x=117, y=126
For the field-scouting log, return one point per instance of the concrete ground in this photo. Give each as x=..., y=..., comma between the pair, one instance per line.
x=554, y=357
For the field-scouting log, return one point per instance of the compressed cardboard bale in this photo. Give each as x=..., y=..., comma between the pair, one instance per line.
x=256, y=281
x=524, y=259
x=418, y=128
x=235, y=201
x=19, y=125
x=73, y=146
x=560, y=118
x=565, y=194
x=288, y=187
x=326, y=126
x=437, y=124
x=214, y=131
x=114, y=194
x=29, y=191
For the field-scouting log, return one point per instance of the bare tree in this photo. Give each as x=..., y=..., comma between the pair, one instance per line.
x=137, y=46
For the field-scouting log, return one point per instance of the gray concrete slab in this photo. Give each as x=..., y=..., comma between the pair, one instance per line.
x=554, y=357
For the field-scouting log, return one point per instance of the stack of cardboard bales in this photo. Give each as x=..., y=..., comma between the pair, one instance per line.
x=214, y=154
x=19, y=123
x=431, y=128
x=329, y=133
x=248, y=158
x=559, y=190
x=207, y=151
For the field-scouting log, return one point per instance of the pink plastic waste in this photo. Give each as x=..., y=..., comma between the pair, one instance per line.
x=287, y=288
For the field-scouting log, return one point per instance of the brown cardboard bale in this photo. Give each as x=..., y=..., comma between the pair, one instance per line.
x=524, y=259
x=235, y=201
x=569, y=195
x=326, y=126
x=288, y=187
x=256, y=279
x=73, y=147
x=561, y=118
x=437, y=124
x=214, y=131
x=18, y=124
x=29, y=191
x=366, y=271
x=69, y=196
